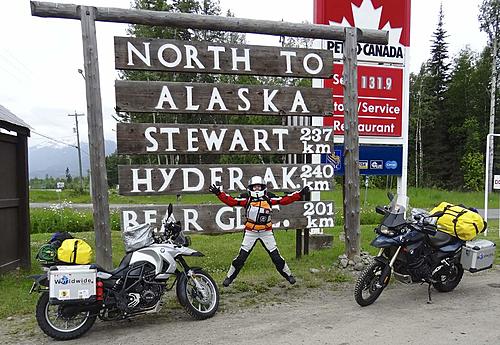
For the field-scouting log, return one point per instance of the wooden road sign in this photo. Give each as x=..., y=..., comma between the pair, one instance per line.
x=158, y=138
x=195, y=179
x=221, y=218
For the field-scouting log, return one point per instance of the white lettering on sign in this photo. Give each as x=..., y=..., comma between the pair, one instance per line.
x=213, y=139
x=237, y=59
x=192, y=56
x=268, y=100
x=298, y=101
x=193, y=179
x=216, y=50
x=216, y=102
x=166, y=96
x=146, y=58
x=167, y=177
x=216, y=99
x=319, y=63
x=367, y=128
x=288, y=58
x=244, y=99
x=178, y=55
x=181, y=55
x=191, y=218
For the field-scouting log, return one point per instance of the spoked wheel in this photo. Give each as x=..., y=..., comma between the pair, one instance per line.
x=59, y=325
x=449, y=281
x=198, y=294
x=369, y=287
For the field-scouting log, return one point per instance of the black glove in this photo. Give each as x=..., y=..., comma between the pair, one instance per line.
x=214, y=189
x=304, y=190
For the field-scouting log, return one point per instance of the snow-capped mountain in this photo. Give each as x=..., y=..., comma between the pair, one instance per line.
x=52, y=160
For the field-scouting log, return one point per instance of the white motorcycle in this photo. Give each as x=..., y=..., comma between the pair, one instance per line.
x=72, y=297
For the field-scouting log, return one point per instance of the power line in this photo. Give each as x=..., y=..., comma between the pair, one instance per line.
x=55, y=140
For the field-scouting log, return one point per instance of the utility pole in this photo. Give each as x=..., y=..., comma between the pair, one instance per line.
x=78, y=147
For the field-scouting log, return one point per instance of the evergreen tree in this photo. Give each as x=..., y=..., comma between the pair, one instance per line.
x=435, y=123
x=439, y=67
x=68, y=176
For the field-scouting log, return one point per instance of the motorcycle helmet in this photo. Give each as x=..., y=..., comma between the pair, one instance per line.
x=257, y=187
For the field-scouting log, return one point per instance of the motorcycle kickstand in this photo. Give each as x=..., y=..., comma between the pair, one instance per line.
x=429, y=301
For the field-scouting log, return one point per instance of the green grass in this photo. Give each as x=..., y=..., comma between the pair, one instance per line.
x=419, y=197
x=258, y=274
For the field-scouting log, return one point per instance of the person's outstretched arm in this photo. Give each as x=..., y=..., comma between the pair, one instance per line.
x=288, y=199
x=226, y=198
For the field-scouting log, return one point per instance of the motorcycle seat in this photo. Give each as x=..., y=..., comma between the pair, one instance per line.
x=441, y=239
x=123, y=264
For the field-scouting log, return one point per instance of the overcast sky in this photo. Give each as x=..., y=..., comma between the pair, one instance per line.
x=39, y=57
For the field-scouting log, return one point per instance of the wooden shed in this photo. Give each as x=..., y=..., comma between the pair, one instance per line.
x=14, y=200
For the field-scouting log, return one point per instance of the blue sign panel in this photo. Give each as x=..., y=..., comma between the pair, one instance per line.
x=373, y=160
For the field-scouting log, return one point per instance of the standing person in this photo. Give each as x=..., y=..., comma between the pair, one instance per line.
x=258, y=204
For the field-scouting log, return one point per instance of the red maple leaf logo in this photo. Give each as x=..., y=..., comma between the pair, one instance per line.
x=397, y=14
x=394, y=12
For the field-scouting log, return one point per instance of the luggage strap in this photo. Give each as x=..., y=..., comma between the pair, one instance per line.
x=74, y=252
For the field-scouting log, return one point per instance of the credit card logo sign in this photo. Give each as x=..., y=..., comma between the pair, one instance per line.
x=335, y=160
x=377, y=164
x=391, y=165
x=363, y=165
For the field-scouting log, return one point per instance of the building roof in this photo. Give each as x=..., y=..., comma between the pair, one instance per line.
x=7, y=116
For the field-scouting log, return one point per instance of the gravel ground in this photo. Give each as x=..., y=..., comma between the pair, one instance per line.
x=469, y=315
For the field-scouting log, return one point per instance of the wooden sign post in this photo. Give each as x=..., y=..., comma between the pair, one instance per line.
x=199, y=57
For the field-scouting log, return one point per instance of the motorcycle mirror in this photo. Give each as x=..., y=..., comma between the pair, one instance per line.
x=169, y=210
x=390, y=196
x=380, y=210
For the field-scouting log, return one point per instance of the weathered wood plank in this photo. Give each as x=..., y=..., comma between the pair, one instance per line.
x=196, y=21
x=198, y=98
x=96, y=139
x=221, y=218
x=351, y=147
x=195, y=179
x=132, y=53
x=155, y=138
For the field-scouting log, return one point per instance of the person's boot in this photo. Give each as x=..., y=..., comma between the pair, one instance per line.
x=227, y=282
x=291, y=279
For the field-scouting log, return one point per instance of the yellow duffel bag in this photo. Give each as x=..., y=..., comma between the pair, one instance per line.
x=459, y=221
x=75, y=251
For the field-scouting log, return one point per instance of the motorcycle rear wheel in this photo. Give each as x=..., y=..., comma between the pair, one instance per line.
x=57, y=326
x=451, y=281
x=200, y=301
x=368, y=286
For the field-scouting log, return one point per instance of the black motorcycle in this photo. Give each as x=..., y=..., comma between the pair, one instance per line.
x=413, y=251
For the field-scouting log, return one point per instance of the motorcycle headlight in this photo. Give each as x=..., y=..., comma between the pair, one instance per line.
x=384, y=230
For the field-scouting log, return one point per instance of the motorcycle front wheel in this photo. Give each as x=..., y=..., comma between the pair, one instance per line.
x=369, y=287
x=198, y=294
x=53, y=321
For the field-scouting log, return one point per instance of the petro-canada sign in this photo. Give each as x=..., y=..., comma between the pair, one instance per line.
x=390, y=15
x=382, y=88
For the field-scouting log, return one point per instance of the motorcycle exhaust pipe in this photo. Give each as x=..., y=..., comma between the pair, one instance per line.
x=70, y=310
